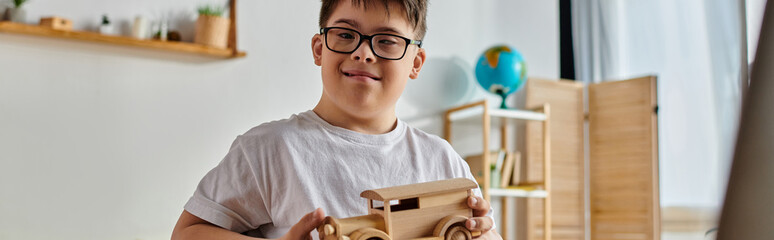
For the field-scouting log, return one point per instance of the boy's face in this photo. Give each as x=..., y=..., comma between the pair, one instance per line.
x=362, y=84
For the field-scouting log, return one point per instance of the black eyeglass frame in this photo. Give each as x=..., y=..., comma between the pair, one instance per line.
x=324, y=32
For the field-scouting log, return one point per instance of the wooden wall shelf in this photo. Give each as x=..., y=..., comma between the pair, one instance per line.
x=183, y=47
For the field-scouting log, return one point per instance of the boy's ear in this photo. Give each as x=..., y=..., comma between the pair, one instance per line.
x=419, y=60
x=317, y=45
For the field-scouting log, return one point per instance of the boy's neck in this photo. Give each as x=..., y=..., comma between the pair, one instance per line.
x=378, y=124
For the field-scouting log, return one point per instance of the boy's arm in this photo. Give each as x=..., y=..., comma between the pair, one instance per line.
x=190, y=226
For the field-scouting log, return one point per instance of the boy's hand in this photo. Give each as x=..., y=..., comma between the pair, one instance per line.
x=480, y=222
x=303, y=229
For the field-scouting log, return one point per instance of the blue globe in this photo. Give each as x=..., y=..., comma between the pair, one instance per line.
x=501, y=70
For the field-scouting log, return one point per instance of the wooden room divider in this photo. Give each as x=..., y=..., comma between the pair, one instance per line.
x=623, y=159
x=623, y=150
x=567, y=168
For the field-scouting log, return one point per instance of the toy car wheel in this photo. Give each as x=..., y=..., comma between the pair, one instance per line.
x=369, y=234
x=452, y=227
x=458, y=232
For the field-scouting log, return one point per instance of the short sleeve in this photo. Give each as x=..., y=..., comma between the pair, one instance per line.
x=229, y=196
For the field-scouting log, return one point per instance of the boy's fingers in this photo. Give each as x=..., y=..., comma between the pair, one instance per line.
x=311, y=221
x=482, y=224
x=479, y=205
x=302, y=230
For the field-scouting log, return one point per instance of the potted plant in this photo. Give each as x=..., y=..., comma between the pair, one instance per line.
x=211, y=27
x=105, y=27
x=16, y=13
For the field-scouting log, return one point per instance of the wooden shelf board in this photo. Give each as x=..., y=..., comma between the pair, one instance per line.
x=499, y=192
x=496, y=112
x=184, y=47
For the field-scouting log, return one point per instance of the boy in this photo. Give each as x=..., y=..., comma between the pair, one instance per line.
x=276, y=173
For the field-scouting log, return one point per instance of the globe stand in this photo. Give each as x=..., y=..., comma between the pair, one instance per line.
x=503, y=95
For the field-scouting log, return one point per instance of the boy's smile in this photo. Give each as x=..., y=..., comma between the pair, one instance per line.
x=360, y=89
x=360, y=75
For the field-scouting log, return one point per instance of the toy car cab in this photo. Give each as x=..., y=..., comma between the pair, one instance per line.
x=430, y=210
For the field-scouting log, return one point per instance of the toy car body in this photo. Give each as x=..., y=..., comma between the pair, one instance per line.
x=431, y=210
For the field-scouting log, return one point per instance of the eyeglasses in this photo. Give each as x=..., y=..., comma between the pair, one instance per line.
x=387, y=46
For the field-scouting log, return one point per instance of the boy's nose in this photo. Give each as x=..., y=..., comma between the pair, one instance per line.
x=364, y=53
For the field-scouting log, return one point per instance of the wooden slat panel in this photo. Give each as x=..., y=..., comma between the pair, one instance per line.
x=566, y=129
x=623, y=160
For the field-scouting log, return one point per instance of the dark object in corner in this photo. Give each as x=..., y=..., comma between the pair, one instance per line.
x=172, y=36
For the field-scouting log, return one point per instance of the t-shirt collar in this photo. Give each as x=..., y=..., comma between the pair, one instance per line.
x=385, y=138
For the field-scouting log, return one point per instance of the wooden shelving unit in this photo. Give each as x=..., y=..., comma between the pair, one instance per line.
x=537, y=190
x=181, y=47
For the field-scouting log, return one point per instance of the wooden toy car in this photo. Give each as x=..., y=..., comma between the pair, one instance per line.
x=431, y=210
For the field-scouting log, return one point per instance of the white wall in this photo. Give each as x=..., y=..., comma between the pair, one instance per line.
x=107, y=142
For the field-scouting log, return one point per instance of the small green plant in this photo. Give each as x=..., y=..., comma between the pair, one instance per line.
x=18, y=3
x=209, y=10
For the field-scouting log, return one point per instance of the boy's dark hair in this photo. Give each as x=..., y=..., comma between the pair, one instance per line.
x=416, y=11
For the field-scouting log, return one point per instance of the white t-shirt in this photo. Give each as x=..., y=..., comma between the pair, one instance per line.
x=279, y=171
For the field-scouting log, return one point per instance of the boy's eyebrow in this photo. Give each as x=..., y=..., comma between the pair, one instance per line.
x=350, y=22
x=388, y=29
x=356, y=25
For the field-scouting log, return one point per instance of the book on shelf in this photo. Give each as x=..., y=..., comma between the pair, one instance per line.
x=502, y=167
x=475, y=163
x=511, y=173
x=496, y=169
x=506, y=170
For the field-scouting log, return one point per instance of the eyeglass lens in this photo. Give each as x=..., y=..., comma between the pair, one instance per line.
x=385, y=46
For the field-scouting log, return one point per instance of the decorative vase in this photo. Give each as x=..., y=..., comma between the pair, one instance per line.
x=212, y=31
x=106, y=29
x=18, y=15
x=140, y=28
